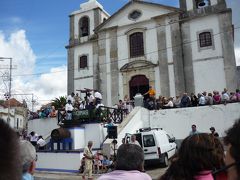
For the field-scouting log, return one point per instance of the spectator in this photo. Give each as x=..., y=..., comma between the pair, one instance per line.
x=10, y=161
x=225, y=97
x=185, y=101
x=71, y=98
x=177, y=102
x=202, y=100
x=194, y=130
x=238, y=94
x=113, y=149
x=197, y=157
x=98, y=162
x=98, y=97
x=134, y=141
x=88, y=160
x=233, y=97
x=169, y=104
x=41, y=143
x=69, y=109
x=53, y=112
x=120, y=104
x=213, y=132
x=151, y=92
x=216, y=97
x=82, y=105
x=77, y=99
x=129, y=164
x=209, y=99
x=194, y=100
x=33, y=138
x=29, y=158
x=232, y=158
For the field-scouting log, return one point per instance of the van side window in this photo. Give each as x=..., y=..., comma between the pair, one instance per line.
x=148, y=141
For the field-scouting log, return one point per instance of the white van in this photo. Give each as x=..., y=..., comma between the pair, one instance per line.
x=157, y=145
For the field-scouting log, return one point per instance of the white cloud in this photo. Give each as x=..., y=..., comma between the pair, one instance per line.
x=46, y=86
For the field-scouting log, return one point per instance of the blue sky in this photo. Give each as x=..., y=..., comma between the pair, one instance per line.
x=46, y=24
x=35, y=33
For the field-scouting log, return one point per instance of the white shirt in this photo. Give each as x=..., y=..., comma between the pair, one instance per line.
x=71, y=99
x=98, y=95
x=41, y=142
x=202, y=100
x=91, y=98
x=169, y=104
x=225, y=97
x=34, y=138
x=68, y=107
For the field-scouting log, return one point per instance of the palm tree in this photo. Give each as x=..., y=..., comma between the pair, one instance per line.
x=60, y=102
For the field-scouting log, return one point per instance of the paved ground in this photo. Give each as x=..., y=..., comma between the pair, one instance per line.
x=154, y=172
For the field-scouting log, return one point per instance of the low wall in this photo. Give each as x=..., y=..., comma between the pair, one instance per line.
x=178, y=121
x=58, y=161
x=42, y=127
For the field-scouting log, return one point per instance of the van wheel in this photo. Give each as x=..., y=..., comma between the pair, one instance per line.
x=165, y=160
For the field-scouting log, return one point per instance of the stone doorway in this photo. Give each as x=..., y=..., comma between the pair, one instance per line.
x=138, y=84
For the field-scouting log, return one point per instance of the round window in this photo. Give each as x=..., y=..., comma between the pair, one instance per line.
x=134, y=15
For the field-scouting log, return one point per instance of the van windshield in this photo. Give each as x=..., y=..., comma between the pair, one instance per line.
x=148, y=140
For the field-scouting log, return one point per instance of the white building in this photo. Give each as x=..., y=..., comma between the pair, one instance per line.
x=17, y=114
x=175, y=50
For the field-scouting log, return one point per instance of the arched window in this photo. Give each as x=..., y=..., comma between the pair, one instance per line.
x=84, y=26
x=136, y=44
x=83, y=62
x=205, y=39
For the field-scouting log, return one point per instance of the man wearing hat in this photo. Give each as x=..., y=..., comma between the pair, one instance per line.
x=213, y=132
x=28, y=157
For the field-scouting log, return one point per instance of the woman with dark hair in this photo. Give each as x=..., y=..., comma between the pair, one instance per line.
x=197, y=157
x=232, y=159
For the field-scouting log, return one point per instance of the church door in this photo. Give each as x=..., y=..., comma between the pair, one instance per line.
x=138, y=84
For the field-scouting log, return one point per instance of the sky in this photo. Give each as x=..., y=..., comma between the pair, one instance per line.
x=35, y=33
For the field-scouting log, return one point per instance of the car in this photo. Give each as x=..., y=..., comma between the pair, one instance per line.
x=157, y=144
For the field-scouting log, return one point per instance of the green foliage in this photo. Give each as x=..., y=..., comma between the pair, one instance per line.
x=60, y=102
x=1, y=101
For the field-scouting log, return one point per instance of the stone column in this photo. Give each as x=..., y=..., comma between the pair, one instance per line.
x=114, y=65
x=163, y=59
x=225, y=23
x=70, y=73
x=102, y=65
x=187, y=58
x=177, y=58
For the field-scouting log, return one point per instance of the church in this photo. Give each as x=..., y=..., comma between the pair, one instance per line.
x=174, y=50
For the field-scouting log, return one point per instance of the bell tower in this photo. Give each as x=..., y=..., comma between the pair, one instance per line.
x=189, y=5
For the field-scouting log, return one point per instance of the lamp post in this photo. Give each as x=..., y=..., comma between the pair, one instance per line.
x=10, y=85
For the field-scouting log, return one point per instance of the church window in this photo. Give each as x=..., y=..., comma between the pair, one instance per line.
x=205, y=39
x=83, y=62
x=202, y=3
x=136, y=44
x=84, y=26
x=134, y=15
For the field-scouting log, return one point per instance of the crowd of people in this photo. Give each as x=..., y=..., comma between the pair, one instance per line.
x=192, y=100
x=200, y=157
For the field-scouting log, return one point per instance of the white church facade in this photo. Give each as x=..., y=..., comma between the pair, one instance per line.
x=174, y=50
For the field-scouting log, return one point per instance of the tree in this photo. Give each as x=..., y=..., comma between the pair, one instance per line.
x=60, y=102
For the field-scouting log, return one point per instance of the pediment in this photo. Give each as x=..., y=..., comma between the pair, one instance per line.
x=137, y=64
x=148, y=11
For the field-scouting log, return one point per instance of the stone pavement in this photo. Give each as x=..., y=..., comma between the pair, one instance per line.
x=153, y=172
